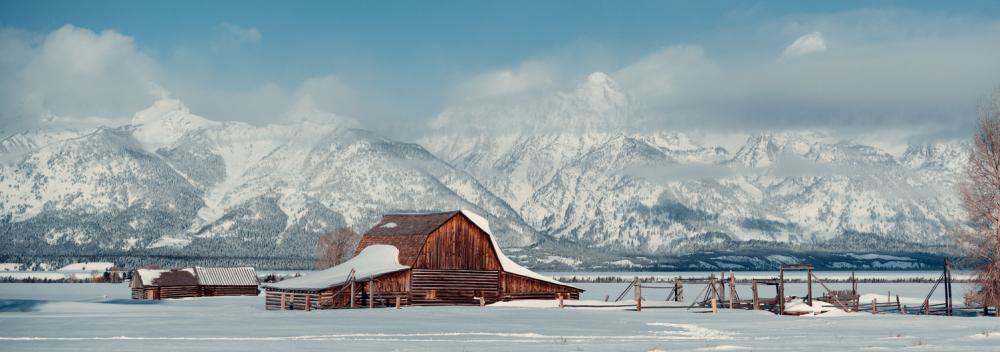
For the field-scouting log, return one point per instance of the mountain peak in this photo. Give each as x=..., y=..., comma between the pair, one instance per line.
x=765, y=148
x=602, y=93
x=165, y=122
x=160, y=109
x=599, y=77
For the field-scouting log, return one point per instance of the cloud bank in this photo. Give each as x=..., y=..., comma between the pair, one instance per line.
x=806, y=44
x=73, y=76
x=77, y=78
x=911, y=74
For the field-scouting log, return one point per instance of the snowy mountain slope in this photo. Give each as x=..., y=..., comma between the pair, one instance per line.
x=561, y=176
x=175, y=182
x=97, y=191
x=664, y=193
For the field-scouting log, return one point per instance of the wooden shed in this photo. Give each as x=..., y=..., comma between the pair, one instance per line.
x=238, y=281
x=160, y=284
x=193, y=282
x=447, y=258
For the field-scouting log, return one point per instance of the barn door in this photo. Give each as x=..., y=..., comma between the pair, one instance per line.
x=453, y=287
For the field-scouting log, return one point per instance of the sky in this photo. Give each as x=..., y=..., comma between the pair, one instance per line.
x=901, y=70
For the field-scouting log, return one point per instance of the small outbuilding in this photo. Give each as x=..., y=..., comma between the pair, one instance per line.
x=161, y=284
x=193, y=282
x=449, y=258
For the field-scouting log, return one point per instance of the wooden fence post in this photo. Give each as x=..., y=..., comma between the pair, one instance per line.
x=352, y=293
x=809, y=285
x=397, y=302
x=781, y=290
x=732, y=289
x=283, y=305
x=308, y=303
x=899, y=307
x=722, y=287
x=874, y=306
x=756, y=300
x=638, y=295
x=679, y=290
x=560, y=300
x=715, y=306
x=371, y=293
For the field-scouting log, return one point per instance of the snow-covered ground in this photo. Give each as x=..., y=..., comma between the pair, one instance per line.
x=97, y=317
x=87, y=267
x=801, y=275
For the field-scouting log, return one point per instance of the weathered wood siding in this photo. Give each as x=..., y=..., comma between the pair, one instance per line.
x=519, y=287
x=387, y=288
x=454, y=287
x=209, y=291
x=167, y=292
x=458, y=244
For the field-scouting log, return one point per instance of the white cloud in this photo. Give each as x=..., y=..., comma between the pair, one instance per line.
x=922, y=83
x=667, y=72
x=324, y=99
x=528, y=76
x=806, y=44
x=240, y=34
x=73, y=76
x=917, y=75
x=77, y=78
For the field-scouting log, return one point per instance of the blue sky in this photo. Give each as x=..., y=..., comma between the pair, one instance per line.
x=399, y=63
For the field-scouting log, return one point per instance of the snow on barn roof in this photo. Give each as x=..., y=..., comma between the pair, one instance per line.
x=239, y=276
x=373, y=261
x=408, y=232
x=506, y=263
x=167, y=277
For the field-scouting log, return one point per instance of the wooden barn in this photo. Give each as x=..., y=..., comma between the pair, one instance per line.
x=193, y=282
x=447, y=258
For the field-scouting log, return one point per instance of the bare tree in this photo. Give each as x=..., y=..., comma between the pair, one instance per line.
x=336, y=247
x=980, y=188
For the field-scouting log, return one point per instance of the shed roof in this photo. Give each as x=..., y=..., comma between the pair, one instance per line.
x=167, y=277
x=373, y=261
x=238, y=276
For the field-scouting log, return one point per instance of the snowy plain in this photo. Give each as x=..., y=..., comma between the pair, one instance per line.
x=101, y=317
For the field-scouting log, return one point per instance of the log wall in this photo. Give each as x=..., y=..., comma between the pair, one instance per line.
x=453, y=287
x=209, y=291
x=519, y=287
x=178, y=292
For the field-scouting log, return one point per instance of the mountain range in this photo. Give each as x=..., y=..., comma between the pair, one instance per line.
x=564, y=180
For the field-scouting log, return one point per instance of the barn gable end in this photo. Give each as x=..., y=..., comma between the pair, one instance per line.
x=458, y=244
x=406, y=232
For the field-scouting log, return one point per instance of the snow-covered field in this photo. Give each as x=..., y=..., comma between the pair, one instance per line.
x=99, y=317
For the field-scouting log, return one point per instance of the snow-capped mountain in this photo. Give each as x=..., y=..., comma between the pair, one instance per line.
x=662, y=192
x=565, y=179
x=177, y=183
